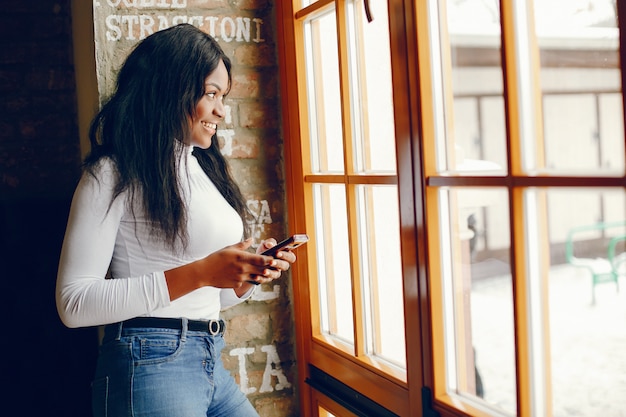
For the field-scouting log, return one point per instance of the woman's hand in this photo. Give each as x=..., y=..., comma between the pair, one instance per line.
x=231, y=267
x=283, y=259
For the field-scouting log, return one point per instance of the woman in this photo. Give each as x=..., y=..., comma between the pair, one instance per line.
x=157, y=209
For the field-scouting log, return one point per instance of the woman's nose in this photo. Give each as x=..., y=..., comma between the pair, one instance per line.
x=219, y=109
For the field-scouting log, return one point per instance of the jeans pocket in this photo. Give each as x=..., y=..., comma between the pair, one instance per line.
x=100, y=397
x=156, y=348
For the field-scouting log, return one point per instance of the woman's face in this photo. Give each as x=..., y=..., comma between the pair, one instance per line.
x=210, y=109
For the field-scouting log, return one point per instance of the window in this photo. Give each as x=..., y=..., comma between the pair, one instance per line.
x=460, y=166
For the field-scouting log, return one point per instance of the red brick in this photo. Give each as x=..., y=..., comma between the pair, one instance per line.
x=248, y=327
x=276, y=406
x=259, y=115
x=251, y=4
x=245, y=146
x=253, y=83
x=255, y=55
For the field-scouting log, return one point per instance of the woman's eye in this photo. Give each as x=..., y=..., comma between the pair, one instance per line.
x=211, y=94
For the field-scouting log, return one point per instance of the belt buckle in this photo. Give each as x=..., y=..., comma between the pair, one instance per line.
x=214, y=327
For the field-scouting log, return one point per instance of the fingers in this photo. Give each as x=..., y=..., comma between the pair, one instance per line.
x=287, y=256
x=267, y=244
x=268, y=275
x=256, y=268
x=244, y=245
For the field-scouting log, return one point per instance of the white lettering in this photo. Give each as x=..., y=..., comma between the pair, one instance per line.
x=212, y=20
x=261, y=212
x=258, y=23
x=146, y=23
x=228, y=118
x=265, y=215
x=230, y=22
x=112, y=23
x=130, y=21
x=239, y=29
x=163, y=23
x=243, y=375
x=227, y=135
x=273, y=368
x=243, y=29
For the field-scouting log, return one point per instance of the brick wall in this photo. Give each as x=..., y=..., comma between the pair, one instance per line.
x=260, y=343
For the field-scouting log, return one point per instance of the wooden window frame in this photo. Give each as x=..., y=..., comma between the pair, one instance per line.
x=418, y=183
x=364, y=374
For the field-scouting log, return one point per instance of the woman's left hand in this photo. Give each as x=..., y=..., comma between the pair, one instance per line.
x=284, y=258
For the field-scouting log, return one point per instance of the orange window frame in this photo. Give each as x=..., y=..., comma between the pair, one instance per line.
x=418, y=184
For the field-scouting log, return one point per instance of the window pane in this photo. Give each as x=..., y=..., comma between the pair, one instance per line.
x=323, y=94
x=333, y=258
x=586, y=311
x=371, y=90
x=478, y=296
x=382, y=272
x=471, y=89
x=581, y=86
x=329, y=408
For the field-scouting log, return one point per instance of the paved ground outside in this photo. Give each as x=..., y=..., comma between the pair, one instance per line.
x=588, y=343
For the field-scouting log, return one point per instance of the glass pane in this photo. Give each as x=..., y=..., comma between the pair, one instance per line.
x=337, y=411
x=371, y=89
x=322, y=72
x=382, y=272
x=585, y=310
x=478, y=296
x=581, y=88
x=471, y=88
x=333, y=257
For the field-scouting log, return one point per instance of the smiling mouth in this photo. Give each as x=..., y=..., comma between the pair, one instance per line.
x=209, y=125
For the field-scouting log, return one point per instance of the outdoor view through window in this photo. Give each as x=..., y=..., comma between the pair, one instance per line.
x=570, y=124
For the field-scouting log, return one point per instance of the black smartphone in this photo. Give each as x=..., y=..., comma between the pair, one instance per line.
x=288, y=244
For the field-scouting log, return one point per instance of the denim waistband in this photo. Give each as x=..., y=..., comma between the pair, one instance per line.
x=211, y=327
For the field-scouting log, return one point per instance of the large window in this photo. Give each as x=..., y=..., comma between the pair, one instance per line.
x=460, y=166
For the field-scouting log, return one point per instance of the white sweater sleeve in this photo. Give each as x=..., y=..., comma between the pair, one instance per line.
x=84, y=296
x=228, y=297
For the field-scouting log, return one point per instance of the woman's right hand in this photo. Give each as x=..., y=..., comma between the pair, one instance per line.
x=231, y=267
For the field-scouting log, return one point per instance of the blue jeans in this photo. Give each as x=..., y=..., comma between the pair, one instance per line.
x=164, y=373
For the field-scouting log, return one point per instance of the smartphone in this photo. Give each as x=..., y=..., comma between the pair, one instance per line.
x=288, y=244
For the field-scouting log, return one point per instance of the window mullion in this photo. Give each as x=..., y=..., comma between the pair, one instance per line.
x=528, y=212
x=349, y=168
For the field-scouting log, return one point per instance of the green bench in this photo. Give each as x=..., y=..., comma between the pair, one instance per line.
x=603, y=269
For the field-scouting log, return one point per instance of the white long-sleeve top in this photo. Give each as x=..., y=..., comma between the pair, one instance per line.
x=100, y=235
